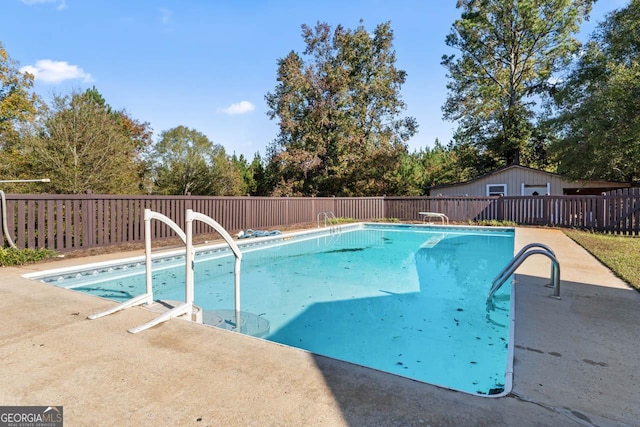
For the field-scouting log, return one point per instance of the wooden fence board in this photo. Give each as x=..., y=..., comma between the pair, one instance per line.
x=31, y=220
x=67, y=222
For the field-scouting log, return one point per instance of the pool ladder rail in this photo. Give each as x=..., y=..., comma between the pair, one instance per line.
x=329, y=218
x=516, y=261
x=187, y=308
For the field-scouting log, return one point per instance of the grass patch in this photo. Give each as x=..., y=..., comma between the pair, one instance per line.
x=10, y=256
x=493, y=223
x=384, y=220
x=620, y=253
x=342, y=220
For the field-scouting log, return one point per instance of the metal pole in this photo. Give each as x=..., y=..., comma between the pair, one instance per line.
x=236, y=274
x=5, y=228
x=25, y=180
x=189, y=261
x=236, y=251
x=4, y=206
x=147, y=250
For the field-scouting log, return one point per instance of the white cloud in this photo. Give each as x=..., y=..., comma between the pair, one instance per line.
x=49, y=71
x=60, y=4
x=239, y=108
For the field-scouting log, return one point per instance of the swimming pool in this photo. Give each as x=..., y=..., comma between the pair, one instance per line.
x=404, y=299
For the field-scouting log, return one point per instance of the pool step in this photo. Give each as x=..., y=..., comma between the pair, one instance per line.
x=431, y=242
x=250, y=324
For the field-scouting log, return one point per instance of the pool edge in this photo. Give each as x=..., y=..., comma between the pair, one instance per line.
x=314, y=232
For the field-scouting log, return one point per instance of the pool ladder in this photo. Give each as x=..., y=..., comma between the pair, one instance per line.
x=186, y=308
x=512, y=266
x=330, y=218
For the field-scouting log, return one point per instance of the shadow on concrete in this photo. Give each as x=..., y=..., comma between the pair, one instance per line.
x=580, y=352
x=576, y=363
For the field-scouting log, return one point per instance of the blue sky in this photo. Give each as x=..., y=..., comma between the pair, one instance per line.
x=207, y=64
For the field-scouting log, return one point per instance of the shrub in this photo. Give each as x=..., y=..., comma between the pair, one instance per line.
x=10, y=256
x=385, y=220
x=493, y=223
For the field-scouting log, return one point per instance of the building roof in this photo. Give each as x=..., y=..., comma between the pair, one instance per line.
x=505, y=168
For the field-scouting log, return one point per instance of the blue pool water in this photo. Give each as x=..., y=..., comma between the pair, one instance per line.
x=409, y=300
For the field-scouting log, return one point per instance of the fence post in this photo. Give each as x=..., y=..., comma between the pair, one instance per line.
x=546, y=209
x=88, y=221
x=384, y=206
x=500, y=212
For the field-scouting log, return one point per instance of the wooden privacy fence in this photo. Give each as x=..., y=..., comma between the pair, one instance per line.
x=70, y=222
x=616, y=212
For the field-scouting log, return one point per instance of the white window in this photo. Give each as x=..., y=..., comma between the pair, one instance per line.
x=496, y=189
x=535, y=189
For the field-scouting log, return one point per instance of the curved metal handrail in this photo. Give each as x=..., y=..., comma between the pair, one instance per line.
x=193, y=216
x=187, y=237
x=519, y=254
x=328, y=216
x=147, y=297
x=5, y=229
x=517, y=260
x=187, y=307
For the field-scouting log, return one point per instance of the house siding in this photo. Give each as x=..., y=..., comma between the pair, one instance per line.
x=514, y=177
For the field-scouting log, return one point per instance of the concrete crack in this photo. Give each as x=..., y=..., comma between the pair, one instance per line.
x=575, y=416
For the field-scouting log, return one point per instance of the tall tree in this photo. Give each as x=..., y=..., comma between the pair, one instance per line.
x=16, y=103
x=253, y=175
x=80, y=146
x=598, y=117
x=509, y=51
x=140, y=134
x=339, y=109
x=185, y=161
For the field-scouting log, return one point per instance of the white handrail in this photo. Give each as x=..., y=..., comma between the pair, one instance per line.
x=177, y=311
x=4, y=220
x=147, y=297
x=181, y=309
x=148, y=216
x=187, y=238
x=193, y=216
x=442, y=216
x=189, y=296
x=328, y=216
x=139, y=300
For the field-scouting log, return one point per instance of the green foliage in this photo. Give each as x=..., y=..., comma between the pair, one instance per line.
x=261, y=176
x=185, y=161
x=10, y=256
x=254, y=175
x=385, y=220
x=598, y=121
x=344, y=220
x=16, y=103
x=508, y=52
x=82, y=145
x=492, y=223
x=338, y=108
x=430, y=166
x=247, y=175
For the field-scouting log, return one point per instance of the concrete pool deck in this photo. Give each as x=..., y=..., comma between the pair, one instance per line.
x=577, y=361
